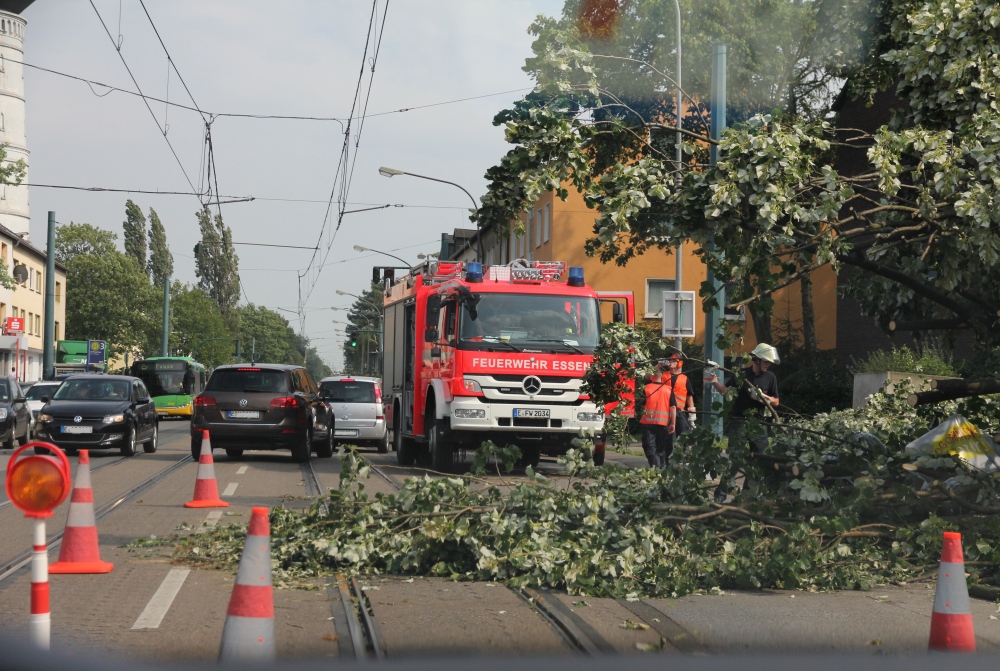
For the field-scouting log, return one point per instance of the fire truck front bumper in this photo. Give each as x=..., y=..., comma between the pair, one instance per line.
x=471, y=414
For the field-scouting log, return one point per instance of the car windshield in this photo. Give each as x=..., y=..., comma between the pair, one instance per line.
x=249, y=380
x=4, y=392
x=349, y=391
x=93, y=390
x=538, y=322
x=37, y=391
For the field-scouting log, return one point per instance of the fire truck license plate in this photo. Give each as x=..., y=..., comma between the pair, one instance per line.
x=531, y=412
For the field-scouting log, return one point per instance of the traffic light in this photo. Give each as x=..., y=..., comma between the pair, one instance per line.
x=376, y=275
x=354, y=341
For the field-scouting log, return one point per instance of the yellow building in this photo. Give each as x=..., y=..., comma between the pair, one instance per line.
x=557, y=230
x=26, y=264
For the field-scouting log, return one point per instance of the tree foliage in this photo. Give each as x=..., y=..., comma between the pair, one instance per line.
x=364, y=322
x=217, y=265
x=918, y=225
x=135, y=233
x=161, y=261
x=195, y=318
x=72, y=240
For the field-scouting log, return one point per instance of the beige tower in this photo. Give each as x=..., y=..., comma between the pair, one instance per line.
x=13, y=199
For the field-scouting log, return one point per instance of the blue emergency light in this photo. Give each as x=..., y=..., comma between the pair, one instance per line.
x=473, y=272
x=575, y=276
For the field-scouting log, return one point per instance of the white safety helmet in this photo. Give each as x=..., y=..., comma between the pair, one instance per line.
x=766, y=352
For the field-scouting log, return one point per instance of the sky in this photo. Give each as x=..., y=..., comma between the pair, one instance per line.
x=288, y=58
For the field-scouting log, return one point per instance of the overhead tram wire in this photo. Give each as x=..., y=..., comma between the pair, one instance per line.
x=146, y=102
x=91, y=83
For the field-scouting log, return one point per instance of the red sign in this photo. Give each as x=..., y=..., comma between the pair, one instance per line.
x=15, y=325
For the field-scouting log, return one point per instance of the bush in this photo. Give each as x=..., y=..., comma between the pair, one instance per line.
x=926, y=361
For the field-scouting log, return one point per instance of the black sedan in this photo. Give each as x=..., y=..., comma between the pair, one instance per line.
x=100, y=412
x=15, y=416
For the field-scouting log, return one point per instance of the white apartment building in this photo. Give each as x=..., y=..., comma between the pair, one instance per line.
x=13, y=199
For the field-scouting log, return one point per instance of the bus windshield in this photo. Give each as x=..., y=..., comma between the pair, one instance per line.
x=535, y=322
x=165, y=378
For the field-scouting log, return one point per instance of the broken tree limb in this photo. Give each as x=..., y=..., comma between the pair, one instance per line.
x=949, y=390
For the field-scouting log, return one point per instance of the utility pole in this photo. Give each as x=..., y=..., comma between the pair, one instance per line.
x=49, y=347
x=678, y=262
x=165, y=349
x=714, y=315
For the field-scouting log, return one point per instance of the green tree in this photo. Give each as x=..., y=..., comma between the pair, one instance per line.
x=135, y=233
x=364, y=323
x=217, y=265
x=161, y=261
x=108, y=297
x=72, y=240
x=268, y=334
x=922, y=231
x=194, y=318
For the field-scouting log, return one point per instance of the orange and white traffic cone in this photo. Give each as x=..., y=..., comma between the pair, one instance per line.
x=951, y=621
x=206, y=490
x=249, y=630
x=80, y=551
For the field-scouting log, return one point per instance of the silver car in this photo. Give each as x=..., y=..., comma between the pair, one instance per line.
x=357, y=404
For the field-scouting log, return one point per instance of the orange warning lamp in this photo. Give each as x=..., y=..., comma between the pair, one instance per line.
x=38, y=483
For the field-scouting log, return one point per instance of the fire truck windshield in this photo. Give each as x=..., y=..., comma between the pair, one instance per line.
x=531, y=322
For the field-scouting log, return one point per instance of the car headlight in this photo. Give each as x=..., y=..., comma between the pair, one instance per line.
x=472, y=386
x=470, y=414
x=114, y=419
x=589, y=416
x=44, y=418
x=3, y=413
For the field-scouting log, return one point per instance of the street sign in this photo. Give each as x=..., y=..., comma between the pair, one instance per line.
x=14, y=325
x=96, y=351
x=678, y=314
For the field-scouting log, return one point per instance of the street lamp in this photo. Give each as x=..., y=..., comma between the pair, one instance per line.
x=392, y=172
x=432, y=255
x=359, y=248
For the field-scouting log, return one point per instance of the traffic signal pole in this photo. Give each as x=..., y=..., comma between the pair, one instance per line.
x=165, y=349
x=49, y=346
x=715, y=314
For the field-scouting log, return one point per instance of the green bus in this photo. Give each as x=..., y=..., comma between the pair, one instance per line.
x=173, y=381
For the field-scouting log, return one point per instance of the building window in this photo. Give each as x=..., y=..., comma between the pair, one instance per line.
x=31, y=323
x=31, y=279
x=13, y=311
x=548, y=221
x=38, y=281
x=58, y=292
x=38, y=324
x=3, y=311
x=539, y=224
x=57, y=331
x=654, y=296
x=526, y=239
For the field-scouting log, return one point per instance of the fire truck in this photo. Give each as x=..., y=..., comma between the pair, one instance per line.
x=499, y=353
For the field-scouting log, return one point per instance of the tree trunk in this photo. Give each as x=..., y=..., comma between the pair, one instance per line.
x=808, y=315
x=761, y=324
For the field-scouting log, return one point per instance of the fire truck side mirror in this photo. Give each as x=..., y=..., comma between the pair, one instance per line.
x=433, y=311
x=431, y=335
x=617, y=313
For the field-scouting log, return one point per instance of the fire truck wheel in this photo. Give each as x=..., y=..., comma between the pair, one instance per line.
x=530, y=456
x=406, y=450
x=441, y=451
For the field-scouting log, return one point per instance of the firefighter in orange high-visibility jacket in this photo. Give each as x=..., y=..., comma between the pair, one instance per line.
x=659, y=419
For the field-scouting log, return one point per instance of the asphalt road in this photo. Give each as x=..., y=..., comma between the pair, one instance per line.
x=116, y=616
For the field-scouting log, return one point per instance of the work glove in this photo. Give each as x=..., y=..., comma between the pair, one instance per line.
x=691, y=419
x=756, y=395
x=711, y=371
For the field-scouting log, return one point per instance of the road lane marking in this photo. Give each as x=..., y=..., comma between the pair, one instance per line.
x=241, y=470
x=230, y=489
x=212, y=519
x=158, y=606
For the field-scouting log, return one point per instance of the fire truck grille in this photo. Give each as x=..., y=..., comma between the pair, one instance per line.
x=555, y=379
x=530, y=422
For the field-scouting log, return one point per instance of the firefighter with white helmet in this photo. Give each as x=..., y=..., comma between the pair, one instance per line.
x=757, y=393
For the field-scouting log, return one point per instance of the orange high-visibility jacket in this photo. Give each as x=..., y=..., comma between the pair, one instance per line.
x=657, y=408
x=681, y=390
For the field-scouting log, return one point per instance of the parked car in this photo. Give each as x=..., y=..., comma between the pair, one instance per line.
x=35, y=393
x=100, y=412
x=357, y=405
x=15, y=417
x=263, y=407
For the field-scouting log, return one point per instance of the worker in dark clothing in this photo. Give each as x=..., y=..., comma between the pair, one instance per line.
x=758, y=393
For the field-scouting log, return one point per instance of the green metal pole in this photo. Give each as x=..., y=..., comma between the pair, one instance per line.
x=239, y=352
x=714, y=316
x=49, y=346
x=165, y=349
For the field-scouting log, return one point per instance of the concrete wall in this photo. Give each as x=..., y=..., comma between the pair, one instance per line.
x=866, y=384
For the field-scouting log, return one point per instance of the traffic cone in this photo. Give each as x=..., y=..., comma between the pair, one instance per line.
x=79, y=551
x=249, y=630
x=206, y=490
x=951, y=621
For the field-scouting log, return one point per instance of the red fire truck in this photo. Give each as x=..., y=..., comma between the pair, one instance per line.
x=473, y=353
